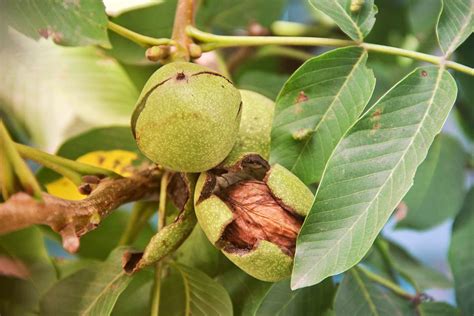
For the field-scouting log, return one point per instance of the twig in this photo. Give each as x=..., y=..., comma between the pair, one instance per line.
x=386, y=283
x=140, y=39
x=212, y=41
x=184, y=17
x=73, y=219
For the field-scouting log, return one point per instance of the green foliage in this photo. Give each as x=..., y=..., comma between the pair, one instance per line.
x=461, y=257
x=438, y=189
x=370, y=171
x=91, y=291
x=365, y=145
x=325, y=96
x=455, y=24
x=81, y=23
x=358, y=295
x=355, y=23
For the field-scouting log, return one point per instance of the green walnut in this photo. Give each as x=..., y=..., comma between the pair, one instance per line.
x=253, y=213
x=187, y=117
x=255, y=128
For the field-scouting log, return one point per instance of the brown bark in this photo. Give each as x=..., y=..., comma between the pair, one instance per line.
x=73, y=219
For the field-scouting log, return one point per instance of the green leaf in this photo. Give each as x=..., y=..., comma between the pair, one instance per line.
x=253, y=297
x=357, y=24
x=92, y=291
x=135, y=300
x=155, y=21
x=358, y=296
x=465, y=104
x=74, y=88
x=436, y=309
x=322, y=99
x=21, y=289
x=422, y=276
x=281, y=300
x=261, y=74
x=391, y=260
x=69, y=23
x=423, y=16
x=438, y=189
x=229, y=14
x=98, y=139
x=246, y=292
x=197, y=252
x=455, y=24
x=188, y=291
x=370, y=171
x=461, y=256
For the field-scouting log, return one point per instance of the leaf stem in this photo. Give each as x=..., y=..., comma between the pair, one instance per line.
x=140, y=39
x=386, y=283
x=70, y=169
x=156, y=292
x=212, y=41
x=14, y=168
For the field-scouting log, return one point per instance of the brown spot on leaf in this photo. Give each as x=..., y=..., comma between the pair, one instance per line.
x=424, y=73
x=377, y=113
x=302, y=97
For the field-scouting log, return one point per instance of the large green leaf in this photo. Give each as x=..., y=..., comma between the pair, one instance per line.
x=438, y=190
x=57, y=91
x=70, y=23
x=355, y=23
x=455, y=24
x=461, y=256
x=316, y=107
x=370, y=171
x=188, y=291
x=92, y=291
x=358, y=296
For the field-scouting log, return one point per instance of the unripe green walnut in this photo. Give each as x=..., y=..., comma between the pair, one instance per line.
x=253, y=215
x=255, y=128
x=187, y=117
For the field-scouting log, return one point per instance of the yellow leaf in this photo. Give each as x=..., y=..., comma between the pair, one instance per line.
x=119, y=161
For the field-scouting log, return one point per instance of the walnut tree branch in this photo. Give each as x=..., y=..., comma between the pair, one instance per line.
x=73, y=219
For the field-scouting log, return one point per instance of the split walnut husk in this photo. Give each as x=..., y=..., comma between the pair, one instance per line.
x=253, y=213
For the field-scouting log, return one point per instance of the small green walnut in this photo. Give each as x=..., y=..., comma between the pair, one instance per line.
x=187, y=117
x=253, y=213
x=255, y=128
